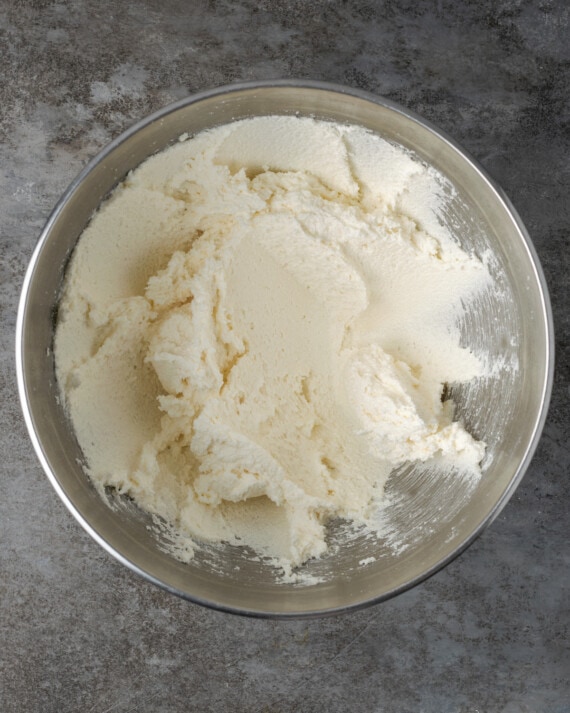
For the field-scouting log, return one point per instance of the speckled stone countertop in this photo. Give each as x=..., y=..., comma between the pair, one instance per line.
x=79, y=632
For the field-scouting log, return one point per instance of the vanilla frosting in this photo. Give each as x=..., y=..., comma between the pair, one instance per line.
x=257, y=327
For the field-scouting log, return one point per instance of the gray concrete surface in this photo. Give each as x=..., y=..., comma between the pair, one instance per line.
x=78, y=632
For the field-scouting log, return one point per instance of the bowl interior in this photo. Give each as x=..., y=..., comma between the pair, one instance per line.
x=429, y=517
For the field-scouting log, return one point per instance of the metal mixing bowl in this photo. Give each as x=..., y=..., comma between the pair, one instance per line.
x=429, y=519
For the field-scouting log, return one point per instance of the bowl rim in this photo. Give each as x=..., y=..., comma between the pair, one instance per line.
x=330, y=87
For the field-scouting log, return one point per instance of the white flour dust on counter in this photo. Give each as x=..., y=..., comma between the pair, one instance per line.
x=257, y=327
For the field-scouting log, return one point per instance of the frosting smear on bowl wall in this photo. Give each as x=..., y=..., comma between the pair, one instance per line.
x=258, y=326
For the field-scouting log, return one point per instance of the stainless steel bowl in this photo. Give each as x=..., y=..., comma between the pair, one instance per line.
x=429, y=520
